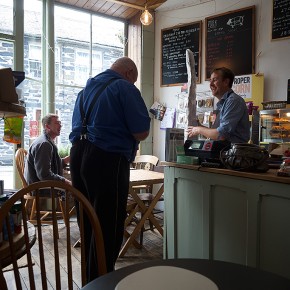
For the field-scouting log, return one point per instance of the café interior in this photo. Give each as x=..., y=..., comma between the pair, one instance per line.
x=187, y=226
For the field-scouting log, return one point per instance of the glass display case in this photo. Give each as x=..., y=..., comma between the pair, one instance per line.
x=274, y=126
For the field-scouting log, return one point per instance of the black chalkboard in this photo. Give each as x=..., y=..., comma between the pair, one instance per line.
x=230, y=41
x=175, y=41
x=281, y=19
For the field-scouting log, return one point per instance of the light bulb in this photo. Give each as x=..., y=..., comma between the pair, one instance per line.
x=146, y=17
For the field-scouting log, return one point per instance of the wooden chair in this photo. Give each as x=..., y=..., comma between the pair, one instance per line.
x=20, y=157
x=63, y=277
x=147, y=162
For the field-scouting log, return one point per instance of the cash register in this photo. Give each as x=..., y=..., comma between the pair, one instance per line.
x=208, y=151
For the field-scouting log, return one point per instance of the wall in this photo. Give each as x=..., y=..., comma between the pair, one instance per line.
x=272, y=57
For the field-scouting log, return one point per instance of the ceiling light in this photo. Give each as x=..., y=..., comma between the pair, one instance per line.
x=146, y=17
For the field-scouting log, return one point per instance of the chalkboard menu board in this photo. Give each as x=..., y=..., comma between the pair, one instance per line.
x=175, y=41
x=230, y=41
x=281, y=19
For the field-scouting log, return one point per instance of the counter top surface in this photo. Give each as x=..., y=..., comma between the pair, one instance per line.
x=270, y=175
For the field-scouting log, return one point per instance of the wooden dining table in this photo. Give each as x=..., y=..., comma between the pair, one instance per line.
x=147, y=178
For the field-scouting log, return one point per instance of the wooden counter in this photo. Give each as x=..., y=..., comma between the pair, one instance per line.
x=227, y=215
x=270, y=175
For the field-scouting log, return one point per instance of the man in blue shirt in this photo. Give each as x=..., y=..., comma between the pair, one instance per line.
x=103, y=147
x=232, y=121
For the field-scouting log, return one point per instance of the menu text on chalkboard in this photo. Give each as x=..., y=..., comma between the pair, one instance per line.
x=281, y=19
x=230, y=41
x=175, y=41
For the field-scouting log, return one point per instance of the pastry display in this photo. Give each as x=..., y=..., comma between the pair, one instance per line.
x=281, y=120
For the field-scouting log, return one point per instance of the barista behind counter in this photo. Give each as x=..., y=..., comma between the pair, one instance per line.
x=232, y=121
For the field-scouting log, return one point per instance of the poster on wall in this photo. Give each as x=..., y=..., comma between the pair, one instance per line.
x=230, y=41
x=242, y=86
x=174, y=43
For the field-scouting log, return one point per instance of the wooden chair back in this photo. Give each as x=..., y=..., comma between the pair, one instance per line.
x=147, y=162
x=63, y=276
x=20, y=157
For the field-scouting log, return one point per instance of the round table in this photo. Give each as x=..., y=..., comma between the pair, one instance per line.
x=18, y=244
x=227, y=276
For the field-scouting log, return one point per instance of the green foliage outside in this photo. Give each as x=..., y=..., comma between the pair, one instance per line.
x=64, y=151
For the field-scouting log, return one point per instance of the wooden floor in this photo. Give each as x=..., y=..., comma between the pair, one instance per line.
x=152, y=250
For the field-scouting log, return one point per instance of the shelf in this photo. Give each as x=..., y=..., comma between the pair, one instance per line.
x=11, y=110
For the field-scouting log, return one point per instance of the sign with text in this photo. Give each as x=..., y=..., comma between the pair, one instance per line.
x=230, y=41
x=281, y=19
x=242, y=86
x=33, y=129
x=175, y=41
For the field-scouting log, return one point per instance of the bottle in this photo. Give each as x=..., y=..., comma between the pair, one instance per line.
x=3, y=198
x=17, y=216
x=284, y=169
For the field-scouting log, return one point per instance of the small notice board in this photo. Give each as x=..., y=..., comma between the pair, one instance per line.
x=281, y=19
x=230, y=41
x=175, y=41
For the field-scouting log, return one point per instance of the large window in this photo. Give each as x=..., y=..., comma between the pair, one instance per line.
x=85, y=45
x=82, y=54
x=6, y=16
x=7, y=50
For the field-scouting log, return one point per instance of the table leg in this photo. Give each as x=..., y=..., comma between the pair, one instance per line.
x=147, y=213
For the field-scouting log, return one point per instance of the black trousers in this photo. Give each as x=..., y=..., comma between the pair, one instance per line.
x=103, y=177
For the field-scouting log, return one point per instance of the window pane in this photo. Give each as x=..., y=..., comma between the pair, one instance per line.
x=6, y=149
x=73, y=43
x=6, y=54
x=65, y=101
x=32, y=85
x=112, y=35
x=6, y=16
x=31, y=94
x=108, y=44
x=32, y=38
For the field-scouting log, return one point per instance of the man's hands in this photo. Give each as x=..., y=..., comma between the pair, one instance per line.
x=193, y=131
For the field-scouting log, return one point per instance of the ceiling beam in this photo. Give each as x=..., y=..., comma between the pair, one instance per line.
x=135, y=6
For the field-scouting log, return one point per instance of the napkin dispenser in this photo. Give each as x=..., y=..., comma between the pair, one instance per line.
x=206, y=150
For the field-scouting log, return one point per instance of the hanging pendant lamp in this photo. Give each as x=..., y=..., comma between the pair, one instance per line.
x=146, y=17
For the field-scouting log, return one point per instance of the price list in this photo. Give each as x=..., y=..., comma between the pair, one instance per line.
x=175, y=41
x=281, y=19
x=230, y=41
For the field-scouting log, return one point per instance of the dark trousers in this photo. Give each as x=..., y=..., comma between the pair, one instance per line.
x=103, y=177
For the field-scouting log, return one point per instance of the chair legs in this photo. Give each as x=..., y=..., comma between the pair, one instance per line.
x=30, y=206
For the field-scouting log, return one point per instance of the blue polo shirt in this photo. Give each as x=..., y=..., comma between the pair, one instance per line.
x=118, y=113
x=234, y=118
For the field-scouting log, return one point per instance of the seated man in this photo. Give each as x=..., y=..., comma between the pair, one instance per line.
x=43, y=161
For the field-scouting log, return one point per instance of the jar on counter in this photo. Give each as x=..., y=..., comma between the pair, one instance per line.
x=284, y=169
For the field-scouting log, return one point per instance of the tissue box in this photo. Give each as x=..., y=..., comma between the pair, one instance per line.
x=7, y=86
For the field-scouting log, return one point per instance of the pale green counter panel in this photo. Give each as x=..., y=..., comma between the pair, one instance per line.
x=226, y=215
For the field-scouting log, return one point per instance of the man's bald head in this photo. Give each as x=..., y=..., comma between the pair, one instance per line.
x=126, y=67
